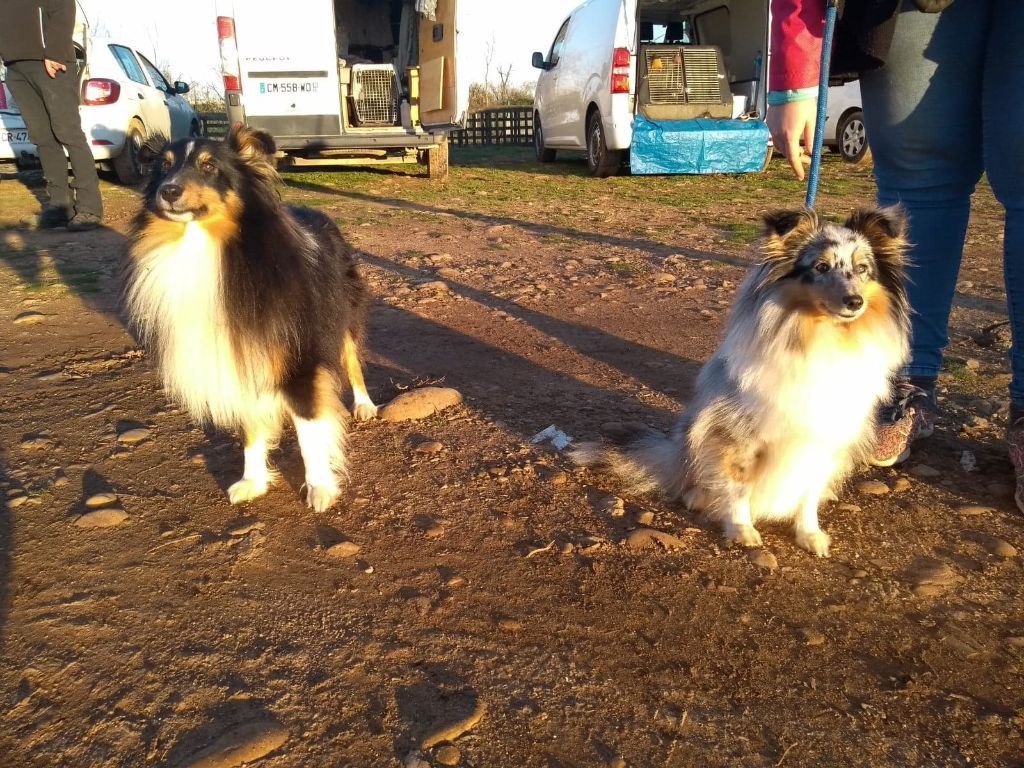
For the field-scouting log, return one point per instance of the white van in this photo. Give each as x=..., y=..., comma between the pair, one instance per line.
x=356, y=81
x=666, y=60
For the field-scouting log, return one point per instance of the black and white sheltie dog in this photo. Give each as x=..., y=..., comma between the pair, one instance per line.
x=785, y=407
x=253, y=310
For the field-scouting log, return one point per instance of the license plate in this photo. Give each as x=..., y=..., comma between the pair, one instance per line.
x=14, y=137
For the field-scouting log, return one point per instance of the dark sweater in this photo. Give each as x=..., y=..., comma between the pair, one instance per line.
x=37, y=29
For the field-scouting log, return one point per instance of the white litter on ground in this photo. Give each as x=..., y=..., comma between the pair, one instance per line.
x=557, y=437
x=968, y=461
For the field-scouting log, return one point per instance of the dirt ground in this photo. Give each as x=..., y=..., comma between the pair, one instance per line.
x=490, y=574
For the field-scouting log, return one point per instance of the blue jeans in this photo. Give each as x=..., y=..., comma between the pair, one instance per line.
x=947, y=106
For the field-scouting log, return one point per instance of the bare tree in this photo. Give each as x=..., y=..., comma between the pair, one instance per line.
x=488, y=59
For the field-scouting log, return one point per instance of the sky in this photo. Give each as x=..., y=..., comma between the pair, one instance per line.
x=184, y=35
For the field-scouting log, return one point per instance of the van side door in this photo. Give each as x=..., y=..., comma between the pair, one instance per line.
x=553, y=112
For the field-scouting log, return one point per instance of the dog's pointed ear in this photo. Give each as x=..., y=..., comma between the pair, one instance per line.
x=251, y=145
x=878, y=223
x=781, y=223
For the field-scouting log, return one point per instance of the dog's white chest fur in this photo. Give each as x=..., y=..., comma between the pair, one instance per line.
x=815, y=405
x=177, y=301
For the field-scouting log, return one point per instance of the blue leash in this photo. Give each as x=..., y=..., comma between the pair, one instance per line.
x=831, y=11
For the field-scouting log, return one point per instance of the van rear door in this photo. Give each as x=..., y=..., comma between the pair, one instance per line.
x=443, y=99
x=287, y=55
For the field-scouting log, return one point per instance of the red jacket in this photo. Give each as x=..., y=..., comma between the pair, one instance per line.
x=795, y=58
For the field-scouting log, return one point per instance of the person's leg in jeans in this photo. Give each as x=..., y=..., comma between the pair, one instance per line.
x=23, y=79
x=923, y=112
x=1002, y=117
x=60, y=94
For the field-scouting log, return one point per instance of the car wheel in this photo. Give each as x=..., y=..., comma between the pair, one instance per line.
x=544, y=155
x=852, y=137
x=601, y=161
x=128, y=164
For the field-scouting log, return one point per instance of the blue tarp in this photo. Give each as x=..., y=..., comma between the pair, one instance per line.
x=697, y=146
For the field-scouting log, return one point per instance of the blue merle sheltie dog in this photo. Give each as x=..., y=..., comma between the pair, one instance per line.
x=785, y=407
x=252, y=309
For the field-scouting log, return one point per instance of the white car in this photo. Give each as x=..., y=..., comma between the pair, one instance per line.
x=844, y=123
x=124, y=100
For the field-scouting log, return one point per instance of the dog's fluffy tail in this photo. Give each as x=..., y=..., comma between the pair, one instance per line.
x=649, y=463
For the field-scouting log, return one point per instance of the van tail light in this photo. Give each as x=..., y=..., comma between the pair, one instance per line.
x=99, y=90
x=228, y=53
x=620, y=71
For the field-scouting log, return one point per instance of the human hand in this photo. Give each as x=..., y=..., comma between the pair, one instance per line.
x=789, y=123
x=53, y=67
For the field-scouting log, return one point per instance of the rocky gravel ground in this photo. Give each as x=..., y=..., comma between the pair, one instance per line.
x=474, y=599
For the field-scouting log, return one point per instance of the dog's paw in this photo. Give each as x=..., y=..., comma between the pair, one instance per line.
x=246, y=490
x=364, y=411
x=816, y=542
x=320, y=498
x=744, y=535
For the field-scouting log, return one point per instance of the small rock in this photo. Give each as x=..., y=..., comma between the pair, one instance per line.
x=439, y=286
x=245, y=528
x=29, y=318
x=923, y=470
x=558, y=478
x=645, y=518
x=872, y=487
x=974, y=510
x=567, y=548
x=36, y=442
x=931, y=577
x=972, y=364
x=617, y=762
x=132, y=436
x=1015, y=641
x=763, y=559
x=646, y=538
x=16, y=501
x=455, y=581
x=434, y=531
x=242, y=744
x=448, y=273
x=102, y=518
x=343, y=549
x=100, y=500
x=1000, y=548
x=850, y=507
x=448, y=755
x=859, y=573
x=812, y=636
x=413, y=760
x=901, y=484
x=664, y=278
x=420, y=403
x=510, y=625
x=429, y=446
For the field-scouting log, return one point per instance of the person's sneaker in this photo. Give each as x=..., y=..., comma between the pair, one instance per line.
x=52, y=218
x=1015, y=444
x=83, y=222
x=908, y=417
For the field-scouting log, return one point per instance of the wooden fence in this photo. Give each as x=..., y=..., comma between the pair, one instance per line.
x=498, y=125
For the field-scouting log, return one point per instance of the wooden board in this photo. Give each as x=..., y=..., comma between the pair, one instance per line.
x=432, y=85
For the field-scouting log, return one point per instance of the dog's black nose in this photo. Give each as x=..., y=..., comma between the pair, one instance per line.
x=170, y=192
x=853, y=301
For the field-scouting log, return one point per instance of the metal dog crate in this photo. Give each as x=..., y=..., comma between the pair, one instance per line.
x=679, y=82
x=375, y=94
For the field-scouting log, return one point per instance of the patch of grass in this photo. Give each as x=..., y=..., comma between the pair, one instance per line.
x=623, y=268
x=743, y=231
